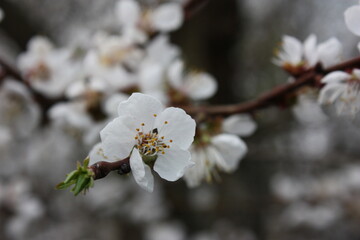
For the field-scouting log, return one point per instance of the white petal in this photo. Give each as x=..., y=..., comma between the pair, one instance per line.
x=118, y=138
x=200, y=86
x=141, y=108
x=239, y=124
x=161, y=50
x=167, y=17
x=141, y=172
x=172, y=165
x=128, y=12
x=175, y=73
x=336, y=77
x=352, y=19
x=330, y=52
x=111, y=104
x=292, y=50
x=195, y=174
x=96, y=154
x=310, y=50
x=150, y=76
x=232, y=150
x=330, y=93
x=358, y=46
x=180, y=127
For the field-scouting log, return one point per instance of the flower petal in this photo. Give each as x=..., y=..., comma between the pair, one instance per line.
x=172, y=165
x=239, y=124
x=141, y=172
x=195, y=174
x=174, y=124
x=352, y=19
x=96, y=154
x=200, y=85
x=232, y=150
x=167, y=17
x=310, y=50
x=118, y=138
x=330, y=52
x=330, y=93
x=175, y=73
x=128, y=12
x=292, y=50
x=141, y=109
x=336, y=77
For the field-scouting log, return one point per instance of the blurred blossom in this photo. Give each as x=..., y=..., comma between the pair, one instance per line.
x=319, y=217
x=165, y=231
x=222, y=151
x=203, y=198
x=295, y=56
x=47, y=69
x=196, y=85
x=352, y=19
x=341, y=91
x=18, y=111
x=307, y=111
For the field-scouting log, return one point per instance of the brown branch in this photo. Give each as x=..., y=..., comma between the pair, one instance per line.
x=102, y=169
x=275, y=95
x=192, y=7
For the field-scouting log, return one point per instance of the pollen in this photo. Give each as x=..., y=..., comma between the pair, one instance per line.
x=143, y=124
x=166, y=122
x=138, y=129
x=171, y=140
x=155, y=115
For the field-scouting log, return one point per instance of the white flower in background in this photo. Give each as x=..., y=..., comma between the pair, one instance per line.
x=196, y=85
x=330, y=52
x=352, y=19
x=18, y=111
x=291, y=52
x=164, y=18
x=48, y=70
x=294, y=54
x=108, y=59
x=220, y=152
x=149, y=134
x=71, y=115
x=342, y=91
x=151, y=73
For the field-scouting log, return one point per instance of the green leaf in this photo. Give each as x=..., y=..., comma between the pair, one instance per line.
x=81, y=178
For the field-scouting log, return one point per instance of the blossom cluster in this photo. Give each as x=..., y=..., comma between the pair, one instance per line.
x=95, y=88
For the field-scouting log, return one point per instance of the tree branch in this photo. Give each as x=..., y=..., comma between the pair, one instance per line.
x=102, y=169
x=275, y=95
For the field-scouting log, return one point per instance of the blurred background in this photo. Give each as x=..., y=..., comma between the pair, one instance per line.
x=300, y=179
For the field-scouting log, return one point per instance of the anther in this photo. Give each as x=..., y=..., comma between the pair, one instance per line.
x=166, y=122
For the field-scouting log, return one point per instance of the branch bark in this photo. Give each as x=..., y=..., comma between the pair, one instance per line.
x=102, y=169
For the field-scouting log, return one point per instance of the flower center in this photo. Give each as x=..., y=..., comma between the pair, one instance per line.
x=150, y=144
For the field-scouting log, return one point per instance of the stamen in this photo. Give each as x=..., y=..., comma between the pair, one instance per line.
x=166, y=122
x=155, y=115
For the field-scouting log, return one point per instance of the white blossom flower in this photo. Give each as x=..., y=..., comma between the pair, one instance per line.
x=222, y=151
x=149, y=134
x=48, y=70
x=295, y=55
x=342, y=91
x=196, y=85
x=18, y=111
x=164, y=18
x=352, y=19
